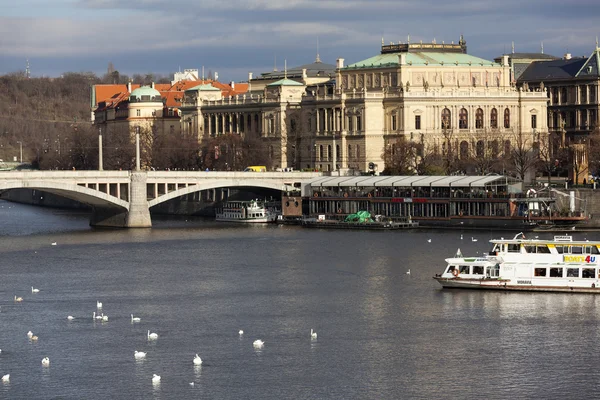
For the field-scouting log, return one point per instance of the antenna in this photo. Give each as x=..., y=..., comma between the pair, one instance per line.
x=284, y=69
x=542, y=47
x=513, y=47
x=28, y=71
x=275, y=64
x=203, y=74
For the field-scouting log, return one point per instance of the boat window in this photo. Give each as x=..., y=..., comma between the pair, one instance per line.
x=451, y=268
x=543, y=249
x=529, y=248
x=560, y=249
x=539, y=272
x=591, y=250
x=576, y=250
x=496, y=248
x=464, y=269
x=513, y=248
x=493, y=272
x=572, y=272
x=556, y=272
x=477, y=270
x=588, y=273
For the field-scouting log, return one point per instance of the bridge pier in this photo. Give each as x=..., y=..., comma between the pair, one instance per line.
x=138, y=215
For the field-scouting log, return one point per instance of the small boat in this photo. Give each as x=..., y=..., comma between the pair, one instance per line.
x=254, y=211
x=557, y=265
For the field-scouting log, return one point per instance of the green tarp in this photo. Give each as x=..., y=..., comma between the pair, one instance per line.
x=361, y=216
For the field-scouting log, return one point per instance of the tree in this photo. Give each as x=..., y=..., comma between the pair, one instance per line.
x=400, y=158
x=523, y=154
x=233, y=152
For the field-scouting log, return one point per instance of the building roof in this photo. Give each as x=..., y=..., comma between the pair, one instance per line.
x=314, y=69
x=526, y=57
x=412, y=181
x=285, y=82
x=591, y=67
x=553, y=70
x=205, y=87
x=421, y=58
x=145, y=91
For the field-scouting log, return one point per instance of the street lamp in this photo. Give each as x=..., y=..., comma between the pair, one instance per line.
x=21, y=151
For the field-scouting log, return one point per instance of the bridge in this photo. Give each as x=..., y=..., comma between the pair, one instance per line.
x=124, y=198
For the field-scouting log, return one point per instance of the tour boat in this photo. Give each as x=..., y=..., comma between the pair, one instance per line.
x=254, y=211
x=558, y=265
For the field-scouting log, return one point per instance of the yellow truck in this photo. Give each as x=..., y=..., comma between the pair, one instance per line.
x=256, y=168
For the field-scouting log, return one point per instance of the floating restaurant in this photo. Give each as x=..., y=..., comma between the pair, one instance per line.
x=468, y=201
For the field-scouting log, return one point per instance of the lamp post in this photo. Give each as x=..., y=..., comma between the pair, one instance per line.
x=21, y=151
x=100, y=162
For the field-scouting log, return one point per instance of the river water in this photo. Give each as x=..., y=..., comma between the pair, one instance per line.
x=382, y=333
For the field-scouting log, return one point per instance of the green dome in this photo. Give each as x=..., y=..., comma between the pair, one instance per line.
x=145, y=94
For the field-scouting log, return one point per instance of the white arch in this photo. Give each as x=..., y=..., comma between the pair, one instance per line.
x=71, y=191
x=213, y=184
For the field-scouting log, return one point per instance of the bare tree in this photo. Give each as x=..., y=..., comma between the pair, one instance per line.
x=523, y=154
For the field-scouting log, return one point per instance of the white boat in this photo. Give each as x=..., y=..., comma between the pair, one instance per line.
x=558, y=265
x=254, y=211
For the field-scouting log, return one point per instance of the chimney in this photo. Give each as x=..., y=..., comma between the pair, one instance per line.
x=340, y=63
x=129, y=86
x=249, y=76
x=216, y=76
x=232, y=84
x=304, y=73
x=505, y=60
x=567, y=56
x=152, y=85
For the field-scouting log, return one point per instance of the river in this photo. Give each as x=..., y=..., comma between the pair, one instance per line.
x=382, y=333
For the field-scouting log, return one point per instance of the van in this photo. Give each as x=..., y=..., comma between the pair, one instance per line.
x=256, y=168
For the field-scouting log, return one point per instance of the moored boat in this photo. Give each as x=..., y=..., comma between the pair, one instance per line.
x=254, y=211
x=557, y=265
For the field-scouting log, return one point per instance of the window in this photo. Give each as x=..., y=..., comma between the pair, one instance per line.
x=477, y=270
x=529, y=248
x=582, y=94
x=561, y=249
x=329, y=153
x=337, y=152
x=394, y=127
x=513, y=248
x=506, y=118
x=480, y=148
x=463, y=119
x=350, y=126
x=494, y=118
x=464, y=269
x=138, y=113
x=358, y=152
x=556, y=272
x=446, y=119
x=572, y=272
x=543, y=249
x=320, y=152
x=479, y=119
x=349, y=151
x=464, y=150
x=539, y=272
x=591, y=250
x=417, y=122
x=588, y=273
x=563, y=95
x=576, y=250
x=507, y=147
x=358, y=123
x=533, y=121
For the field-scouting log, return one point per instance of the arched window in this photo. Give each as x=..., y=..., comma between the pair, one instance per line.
x=463, y=119
x=479, y=148
x=506, y=118
x=349, y=151
x=446, y=119
x=494, y=118
x=479, y=119
x=337, y=152
x=329, y=153
x=494, y=148
x=564, y=99
x=320, y=152
x=464, y=150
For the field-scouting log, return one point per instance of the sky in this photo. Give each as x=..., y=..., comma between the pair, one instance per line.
x=234, y=37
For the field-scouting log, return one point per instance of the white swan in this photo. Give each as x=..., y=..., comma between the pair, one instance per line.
x=408, y=272
x=313, y=335
x=152, y=336
x=473, y=239
x=18, y=299
x=192, y=384
x=29, y=334
x=258, y=344
x=135, y=319
x=45, y=361
x=34, y=290
x=70, y=318
x=104, y=318
x=98, y=304
x=156, y=378
x=139, y=355
x=6, y=378
x=197, y=360
x=53, y=243
x=97, y=316
x=34, y=338
x=429, y=240
x=241, y=332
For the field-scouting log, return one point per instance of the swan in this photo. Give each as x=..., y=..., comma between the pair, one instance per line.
x=97, y=316
x=98, y=304
x=135, y=319
x=18, y=299
x=34, y=290
x=258, y=344
x=192, y=384
x=197, y=360
x=139, y=354
x=70, y=318
x=53, y=243
x=152, y=336
x=6, y=378
x=473, y=239
x=313, y=335
x=104, y=318
x=241, y=332
x=34, y=338
x=156, y=378
x=45, y=361
x=29, y=334
x=408, y=272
